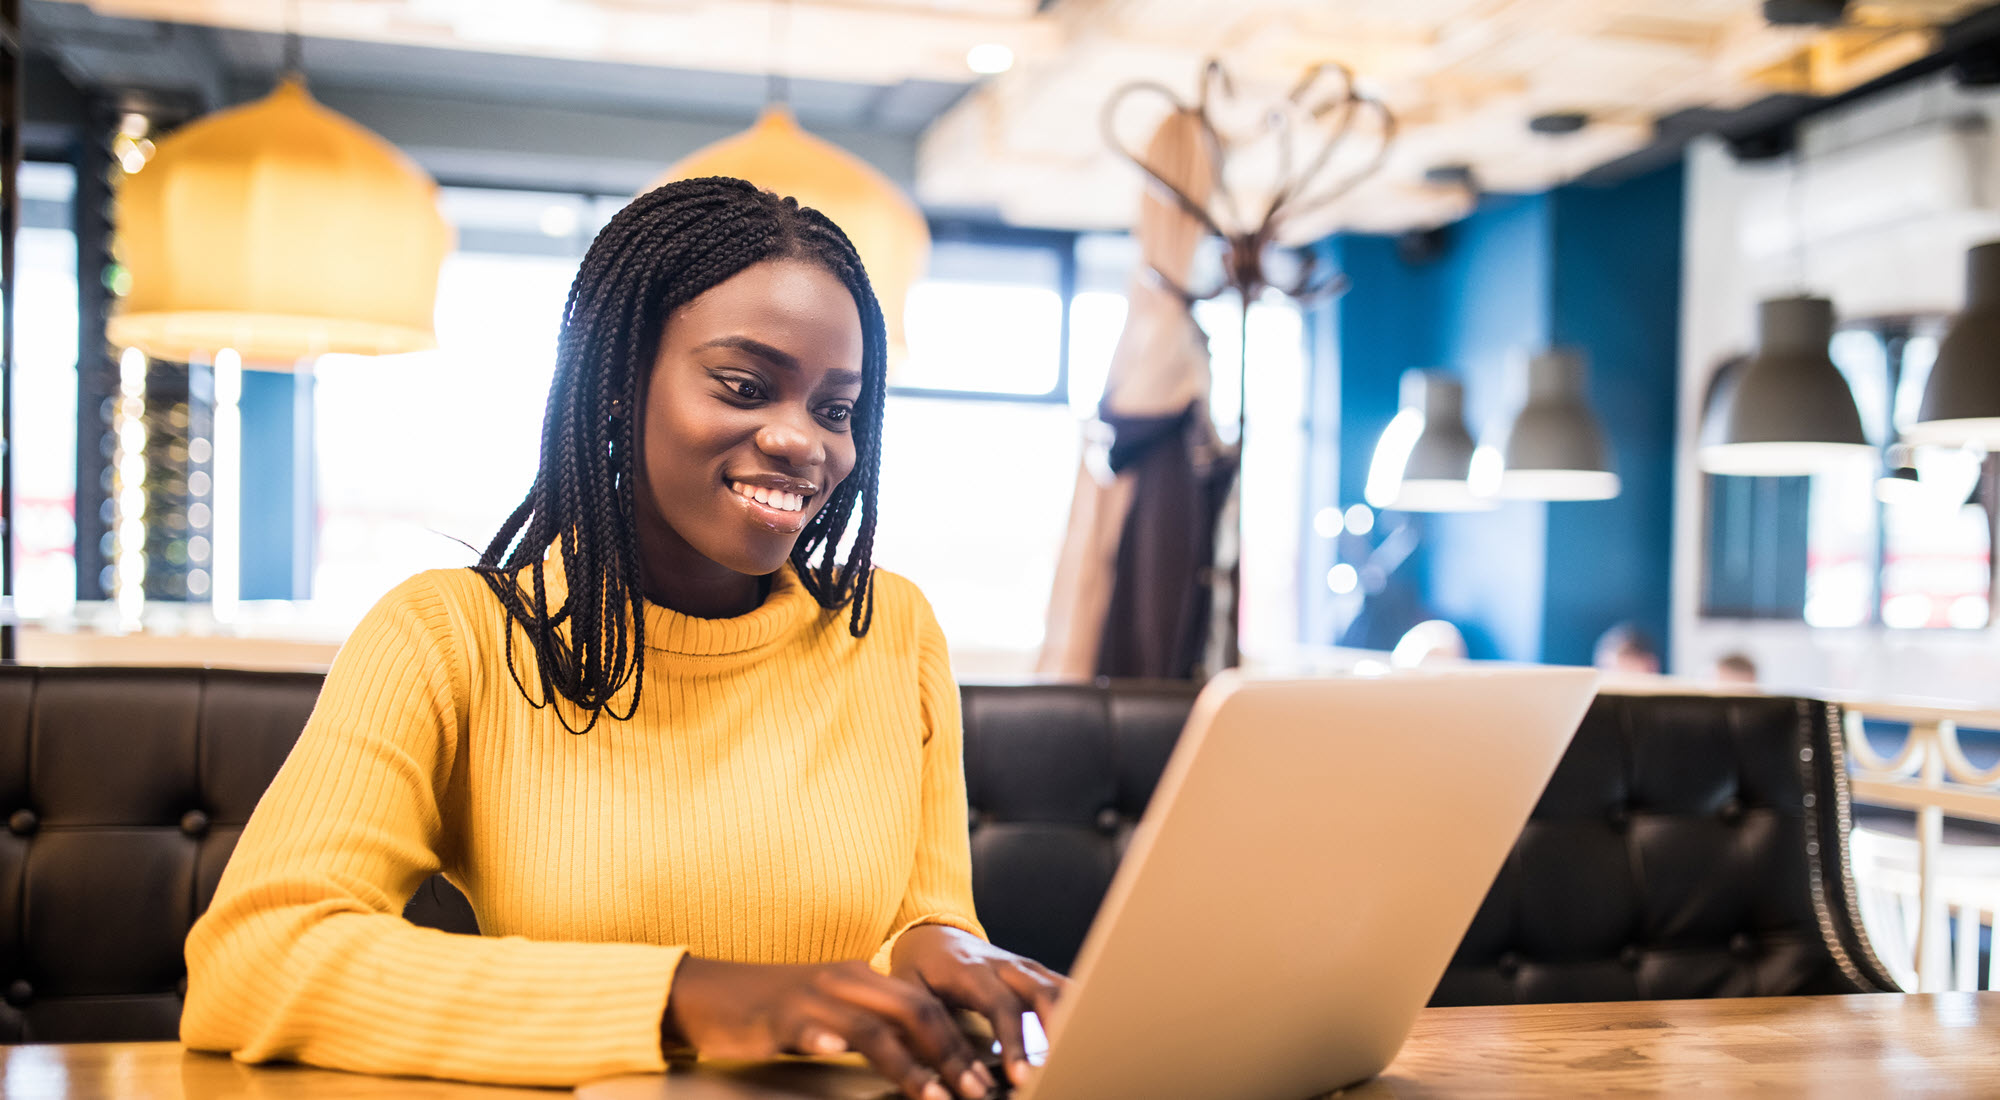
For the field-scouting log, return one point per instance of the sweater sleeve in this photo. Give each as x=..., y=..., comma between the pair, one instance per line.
x=940, y=888
x=304, y=955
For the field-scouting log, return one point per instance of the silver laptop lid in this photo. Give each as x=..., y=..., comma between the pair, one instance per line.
x=1311, y=858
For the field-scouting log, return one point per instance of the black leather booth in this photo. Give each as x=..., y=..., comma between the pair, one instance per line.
x=1686, y=846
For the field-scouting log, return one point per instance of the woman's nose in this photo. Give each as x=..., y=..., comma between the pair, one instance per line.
x=789, y=441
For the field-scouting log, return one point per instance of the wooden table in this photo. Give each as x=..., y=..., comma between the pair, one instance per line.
x=1945, y=1044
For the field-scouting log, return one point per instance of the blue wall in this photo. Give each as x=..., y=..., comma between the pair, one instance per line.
x=1617, y=295
x=279, y=506
x=1486, y=569
x=1595, y=267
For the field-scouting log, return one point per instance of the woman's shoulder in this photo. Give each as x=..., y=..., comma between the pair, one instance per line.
x=899, y=600
x=455, y=605
x=435, y=591
x=894, y=590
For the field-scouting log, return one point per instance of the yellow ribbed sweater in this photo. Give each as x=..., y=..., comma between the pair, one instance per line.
x=786, y=793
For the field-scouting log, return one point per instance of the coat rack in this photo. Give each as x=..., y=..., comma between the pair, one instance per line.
x=1306, y=130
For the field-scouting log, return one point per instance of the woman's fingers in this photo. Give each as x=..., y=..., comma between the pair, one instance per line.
x=822, y=1024
x=884, y=1047
x=1034, y=983
x=923, y=1027
x=1002, y=1007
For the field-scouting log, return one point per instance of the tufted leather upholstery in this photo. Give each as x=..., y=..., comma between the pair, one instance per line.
x=1057, y=776
x=1674, y=853
x=124, y=791
x=1687, y=846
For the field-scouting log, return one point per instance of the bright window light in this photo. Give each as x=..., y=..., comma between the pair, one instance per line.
x=982, y=336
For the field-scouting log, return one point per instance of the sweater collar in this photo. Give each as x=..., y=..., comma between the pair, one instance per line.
x=785, y=610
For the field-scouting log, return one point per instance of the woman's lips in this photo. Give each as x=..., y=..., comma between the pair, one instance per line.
x=773, y=508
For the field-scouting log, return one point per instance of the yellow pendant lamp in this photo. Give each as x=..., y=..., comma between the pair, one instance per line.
x=282, y=230
x=885, y=226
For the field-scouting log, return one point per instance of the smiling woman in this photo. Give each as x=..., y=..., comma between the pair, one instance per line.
x=721, y=772
x=747, y=430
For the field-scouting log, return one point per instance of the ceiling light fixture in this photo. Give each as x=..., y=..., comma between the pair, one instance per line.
x=1961, y=405
x=1788, y=411
x=1805, y=13
x=989, y=59
x=886, y=227
x=1900, y=485
x=775, y=153
x=1553, y=449
x=1423, y=461
x=280, y=229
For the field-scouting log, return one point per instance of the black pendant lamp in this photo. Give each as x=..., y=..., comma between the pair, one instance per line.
x=1788, y=411
x=1899, y=485
x=1554, y=448
x=1961, y=405
x=1423, y=462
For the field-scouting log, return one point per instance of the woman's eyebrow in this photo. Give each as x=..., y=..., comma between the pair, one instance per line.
x=777, y=358
x=758, y=348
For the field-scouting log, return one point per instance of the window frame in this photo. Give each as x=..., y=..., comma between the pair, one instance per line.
x=1061, y=244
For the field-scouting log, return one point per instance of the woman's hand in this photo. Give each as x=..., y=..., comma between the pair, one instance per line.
x=967, y=972
x=752, y=1011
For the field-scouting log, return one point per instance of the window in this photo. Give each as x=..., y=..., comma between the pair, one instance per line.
x=986, y=318
x=45, y=388
x=1936, y=539
x=421, y=457
x=980, y=449
x=1853, y=547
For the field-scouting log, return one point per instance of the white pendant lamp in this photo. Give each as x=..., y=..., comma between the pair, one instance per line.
x=1788, y=411
x=1423, y=461
x=282, y=230
x=886, y=227
x=1553, y=449
x=1961, y=405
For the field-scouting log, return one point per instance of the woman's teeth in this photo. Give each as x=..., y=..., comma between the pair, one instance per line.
x=772, y=498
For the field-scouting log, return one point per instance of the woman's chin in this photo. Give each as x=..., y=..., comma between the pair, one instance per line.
x=756, y=561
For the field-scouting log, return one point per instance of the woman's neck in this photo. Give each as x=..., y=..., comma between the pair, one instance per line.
x=679, y=577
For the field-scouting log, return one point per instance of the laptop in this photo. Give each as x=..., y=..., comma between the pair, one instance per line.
x=1314, y=852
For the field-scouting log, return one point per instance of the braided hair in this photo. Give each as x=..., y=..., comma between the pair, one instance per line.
x=660, y=252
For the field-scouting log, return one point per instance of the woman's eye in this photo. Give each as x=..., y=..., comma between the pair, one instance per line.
x=746, y=389
x=839, y=414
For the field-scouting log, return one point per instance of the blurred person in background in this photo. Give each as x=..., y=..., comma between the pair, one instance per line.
x=1736, y=669
x=1624, y=650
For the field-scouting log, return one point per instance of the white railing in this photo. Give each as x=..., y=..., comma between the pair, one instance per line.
x=1923, y=901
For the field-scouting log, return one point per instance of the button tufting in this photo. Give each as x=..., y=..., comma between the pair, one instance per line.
x=1631, y=956
x=22, y=822
x=1107, y=821
x=194, y=823
x=1508, y=964
x=1620, y=817
x=1811, y=800
x=1742, y=946
x=20, y=993
x=1731, y=811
